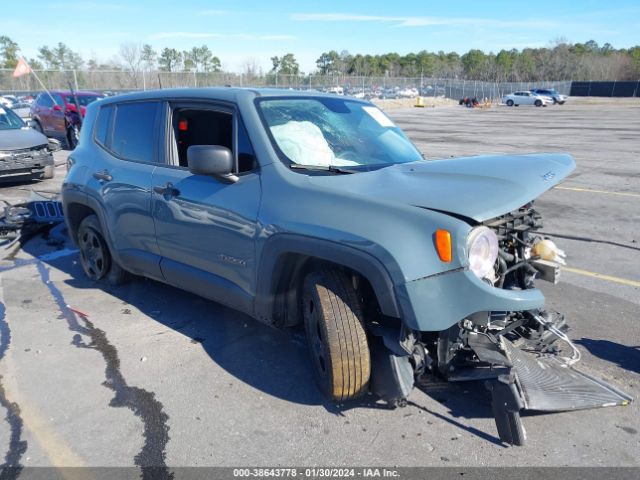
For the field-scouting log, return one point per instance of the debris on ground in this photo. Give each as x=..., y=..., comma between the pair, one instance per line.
x=21, y=222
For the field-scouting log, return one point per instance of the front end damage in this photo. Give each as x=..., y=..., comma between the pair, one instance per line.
x=524, y=357
x=26, y=163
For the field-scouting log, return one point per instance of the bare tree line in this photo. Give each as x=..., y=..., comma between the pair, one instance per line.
x=560, y=61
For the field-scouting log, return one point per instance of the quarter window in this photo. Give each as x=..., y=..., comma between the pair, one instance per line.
x=246, y=155
x=134, y=131
x=103, y=123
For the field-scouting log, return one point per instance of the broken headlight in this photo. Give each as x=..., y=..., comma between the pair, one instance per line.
x=482, y=245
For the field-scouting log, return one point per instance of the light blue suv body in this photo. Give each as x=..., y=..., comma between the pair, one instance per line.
x=297, y=207
x=231, y=242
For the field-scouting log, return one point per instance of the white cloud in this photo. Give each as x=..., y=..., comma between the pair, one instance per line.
x=342, y=17
x=236, y=36
x=92, y=6
x=414, y=21
x=213, y=13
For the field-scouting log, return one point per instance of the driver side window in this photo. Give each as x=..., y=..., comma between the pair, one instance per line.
x=192, y=126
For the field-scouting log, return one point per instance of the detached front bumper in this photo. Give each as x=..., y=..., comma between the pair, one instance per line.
x=437, y=302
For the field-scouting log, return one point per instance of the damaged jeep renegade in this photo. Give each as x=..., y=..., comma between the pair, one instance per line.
x=311, y=210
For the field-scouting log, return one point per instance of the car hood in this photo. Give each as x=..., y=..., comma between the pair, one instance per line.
x=479, y=188
x=17, y=139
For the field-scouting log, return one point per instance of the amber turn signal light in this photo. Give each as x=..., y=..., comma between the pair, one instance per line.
x=443, y=245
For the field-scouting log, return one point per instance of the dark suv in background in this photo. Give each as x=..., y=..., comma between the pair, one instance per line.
x=551, y=93
x=56, y=115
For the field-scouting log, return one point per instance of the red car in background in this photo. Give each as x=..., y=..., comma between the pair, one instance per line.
x=55, y=113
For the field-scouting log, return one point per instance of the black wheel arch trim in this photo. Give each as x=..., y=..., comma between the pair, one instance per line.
x=270, y=267
x=71, y=196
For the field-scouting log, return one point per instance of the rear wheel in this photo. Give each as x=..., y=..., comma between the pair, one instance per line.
x=335, y=333
x=510, y=103
x=73, y=136
x=95, y=256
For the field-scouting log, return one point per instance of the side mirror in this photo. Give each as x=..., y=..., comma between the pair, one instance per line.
x=57, y=108
x=54, y=145
x=211, y=160
x=32, y=124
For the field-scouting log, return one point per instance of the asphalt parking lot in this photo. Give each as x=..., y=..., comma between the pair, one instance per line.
x=146, y=374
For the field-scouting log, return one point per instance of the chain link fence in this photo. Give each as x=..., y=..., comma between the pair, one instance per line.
x=364, y=87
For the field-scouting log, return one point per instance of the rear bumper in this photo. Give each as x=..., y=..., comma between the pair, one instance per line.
x=436, y=303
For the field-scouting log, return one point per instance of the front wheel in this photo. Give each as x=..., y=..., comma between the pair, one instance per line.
x=73, y=136
x=335, y=333
x=95, y=256
x=538, y=103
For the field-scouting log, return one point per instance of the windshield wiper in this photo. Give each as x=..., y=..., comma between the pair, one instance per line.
x=321, y=168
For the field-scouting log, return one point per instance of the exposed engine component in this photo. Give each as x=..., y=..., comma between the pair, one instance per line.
x=525, y=358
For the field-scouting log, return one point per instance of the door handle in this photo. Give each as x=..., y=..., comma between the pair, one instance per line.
x=167, y=190
x=103, y=176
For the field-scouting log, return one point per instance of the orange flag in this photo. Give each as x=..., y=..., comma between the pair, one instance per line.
x=21, y=69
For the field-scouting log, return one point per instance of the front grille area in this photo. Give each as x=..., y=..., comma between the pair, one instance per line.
x=521, y=220
x=27, y=153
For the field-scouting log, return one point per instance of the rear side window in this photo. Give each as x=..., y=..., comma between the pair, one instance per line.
x=102, y=125
x=58, y=99
x=44, y=100
x=134, y=131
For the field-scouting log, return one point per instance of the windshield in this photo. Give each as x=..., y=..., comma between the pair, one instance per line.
x=9, y=120
x=326, y=132
x=83, y=100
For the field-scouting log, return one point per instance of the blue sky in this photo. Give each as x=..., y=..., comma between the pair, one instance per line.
x=250, y=29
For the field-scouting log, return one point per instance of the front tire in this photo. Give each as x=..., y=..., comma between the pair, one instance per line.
x=96, y=259
x=538, y=103
x=335, y=333
x=73, y=136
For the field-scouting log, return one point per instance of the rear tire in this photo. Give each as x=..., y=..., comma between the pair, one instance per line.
x=73, y=136
x=96, y=259
x=510, y=103
x=335, y=333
